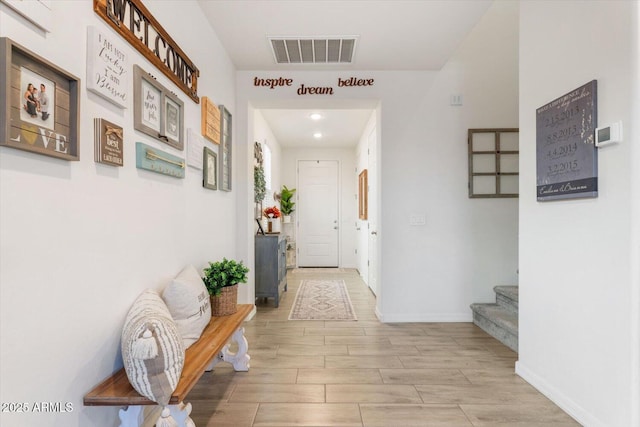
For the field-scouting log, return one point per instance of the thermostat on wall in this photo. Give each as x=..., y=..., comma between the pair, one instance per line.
x=609, y=134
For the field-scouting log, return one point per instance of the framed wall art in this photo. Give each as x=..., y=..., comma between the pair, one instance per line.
x=39, y=104
x=566, y=154
x=363, y=186
x=210, y=120
x=109, y=140
x=195, y=144
x=156, y=111
x=158, y=161
x=225, y=149
x=210, y=169
x=107, y=67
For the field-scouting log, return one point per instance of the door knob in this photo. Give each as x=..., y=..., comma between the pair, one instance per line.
x=375, y=233
x=335, y=228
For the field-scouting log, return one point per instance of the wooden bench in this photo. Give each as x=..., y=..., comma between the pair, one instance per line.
x=203, y=355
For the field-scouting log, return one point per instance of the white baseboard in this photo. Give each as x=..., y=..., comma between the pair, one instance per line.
x=424, y=317
x=574, y=410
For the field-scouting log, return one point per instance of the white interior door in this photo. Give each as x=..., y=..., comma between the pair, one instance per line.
x=318, y=213
x=372, y=212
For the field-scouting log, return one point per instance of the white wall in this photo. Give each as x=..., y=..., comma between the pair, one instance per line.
x=634, y=253
x=79, y=240
x=432, y=272
x=348, y=212
x=578, y=295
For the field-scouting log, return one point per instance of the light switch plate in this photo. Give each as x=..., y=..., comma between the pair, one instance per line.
x=417, y=219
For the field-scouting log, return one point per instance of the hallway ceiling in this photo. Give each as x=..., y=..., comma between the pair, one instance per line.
x=391, y=35
x=293, y=128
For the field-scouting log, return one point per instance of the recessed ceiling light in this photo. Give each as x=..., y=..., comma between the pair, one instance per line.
x=315, y=116
x=317, y=135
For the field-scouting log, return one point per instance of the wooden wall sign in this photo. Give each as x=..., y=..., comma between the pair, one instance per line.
x=567, y=158
x=135, y=23
x=39, y=104
x=210, y=120
x=108, y=69
x=108, y=143
x=158, y=161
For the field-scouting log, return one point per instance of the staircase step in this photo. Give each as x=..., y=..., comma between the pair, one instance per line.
x=507, y=296
x=498, y=321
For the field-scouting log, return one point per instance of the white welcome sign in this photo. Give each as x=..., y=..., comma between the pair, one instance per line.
x=107, y=67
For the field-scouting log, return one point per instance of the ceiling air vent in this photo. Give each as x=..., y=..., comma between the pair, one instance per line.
x=313, y=50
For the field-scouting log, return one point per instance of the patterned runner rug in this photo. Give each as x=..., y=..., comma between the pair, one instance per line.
x=322, y=300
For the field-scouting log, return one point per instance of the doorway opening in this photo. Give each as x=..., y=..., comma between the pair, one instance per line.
x=325, y=229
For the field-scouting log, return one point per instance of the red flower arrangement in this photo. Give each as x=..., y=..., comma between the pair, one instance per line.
x=272, y=212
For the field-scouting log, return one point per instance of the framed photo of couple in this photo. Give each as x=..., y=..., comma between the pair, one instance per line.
x=39, y=104
x=157, y=112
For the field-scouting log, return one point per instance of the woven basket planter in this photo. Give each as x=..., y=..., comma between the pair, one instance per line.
x=226, y=303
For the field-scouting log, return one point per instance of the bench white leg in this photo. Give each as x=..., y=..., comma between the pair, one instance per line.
x=131, y=416
x=172, y=415
x=180, y=414
x=240, y=359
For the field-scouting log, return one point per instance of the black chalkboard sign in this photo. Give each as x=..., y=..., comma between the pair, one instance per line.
x=567, y=160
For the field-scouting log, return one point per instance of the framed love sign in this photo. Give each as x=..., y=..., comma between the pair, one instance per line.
x=39, y=104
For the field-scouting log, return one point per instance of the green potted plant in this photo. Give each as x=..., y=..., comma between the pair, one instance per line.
x=221, y=279
x=286, y=203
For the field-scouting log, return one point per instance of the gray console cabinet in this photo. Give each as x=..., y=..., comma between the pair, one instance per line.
x=271, y=266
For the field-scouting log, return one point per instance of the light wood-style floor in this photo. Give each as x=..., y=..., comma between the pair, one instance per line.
x=365, y=373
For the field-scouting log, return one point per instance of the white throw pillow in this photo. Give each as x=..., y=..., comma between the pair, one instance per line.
x=152, y=349
x=188, y=301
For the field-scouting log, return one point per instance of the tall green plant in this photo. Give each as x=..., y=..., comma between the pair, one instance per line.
x=224, y=273
x=286, y=200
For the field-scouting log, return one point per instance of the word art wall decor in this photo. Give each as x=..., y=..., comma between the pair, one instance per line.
x=567, y=160
x=156, y=111
x=109, y=140
x=107, y=67
x=303, y=89
x=132, y=20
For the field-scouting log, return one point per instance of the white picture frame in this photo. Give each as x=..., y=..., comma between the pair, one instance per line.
x=107, y=67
